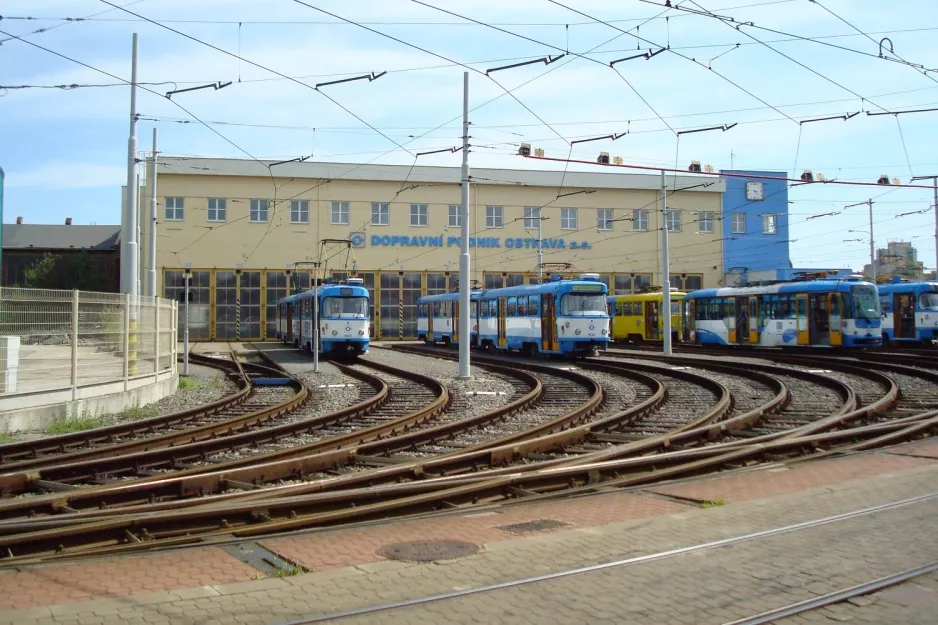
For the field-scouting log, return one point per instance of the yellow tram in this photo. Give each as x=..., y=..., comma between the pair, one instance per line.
x=637, y=318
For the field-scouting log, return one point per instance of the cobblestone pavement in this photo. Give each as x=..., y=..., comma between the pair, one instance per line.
x=712, y=586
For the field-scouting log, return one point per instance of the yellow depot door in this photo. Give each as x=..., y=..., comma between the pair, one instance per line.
x=804, y=329
x=730, y=317
x=502, y=323
x=834, y=305
x=754, y=320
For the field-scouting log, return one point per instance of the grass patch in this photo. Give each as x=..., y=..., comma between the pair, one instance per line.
x=6, y=438
x=187, y=384
x=84, y=421
x=290, y=572
x=135, y=413
x=713, y=504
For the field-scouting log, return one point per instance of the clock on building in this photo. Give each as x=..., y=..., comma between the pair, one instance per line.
x=754, y=190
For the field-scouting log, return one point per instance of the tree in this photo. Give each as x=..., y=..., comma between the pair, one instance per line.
x=74, y=271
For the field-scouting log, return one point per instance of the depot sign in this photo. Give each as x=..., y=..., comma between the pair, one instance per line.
x=388, y=240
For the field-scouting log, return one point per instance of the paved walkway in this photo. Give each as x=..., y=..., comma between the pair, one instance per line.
x=717, y=585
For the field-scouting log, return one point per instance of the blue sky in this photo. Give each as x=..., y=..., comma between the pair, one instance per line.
x=64, y=151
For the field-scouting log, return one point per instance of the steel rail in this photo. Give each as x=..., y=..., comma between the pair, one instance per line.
x=37, y=450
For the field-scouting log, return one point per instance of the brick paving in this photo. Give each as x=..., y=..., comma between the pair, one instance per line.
x=715, y=586
x=922, y=449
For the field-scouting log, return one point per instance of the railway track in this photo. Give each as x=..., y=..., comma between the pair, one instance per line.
x=526, y=466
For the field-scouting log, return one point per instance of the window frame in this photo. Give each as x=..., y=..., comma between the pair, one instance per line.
x=604, y=224
x=454, y=216
x=532, y=215
x=640, y=220
x=415, y=211
x=494, y=216
x=179, y=211
x=297, y=209
x=669, y=218
x=705, y=217
x=770, y=219
x=344, y=207
x=736, y=229
x=252, y=211
x=565, y=218
x=380, y=209
x=223, y=209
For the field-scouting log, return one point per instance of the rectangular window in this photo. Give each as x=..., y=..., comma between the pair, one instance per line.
x=419, y=215
x=493, y=217
x=217, y=209
x=340, y=213
x=705, y=221
x=604, y=218
x=639, y=220
x=454, y=216
x=299, y=212
x=568, y=218
x=532, y=215
x=672, y=219
x=739, y=223
x=175, y=208
x=258, y=213
x=380, y=213
x=769, y=223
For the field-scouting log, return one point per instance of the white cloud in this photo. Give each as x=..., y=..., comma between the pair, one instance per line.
x=67, y=175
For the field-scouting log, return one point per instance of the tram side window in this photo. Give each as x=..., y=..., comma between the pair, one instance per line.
x=533, y=304
x=885, y=303
x=512, y=306
x=523, y=306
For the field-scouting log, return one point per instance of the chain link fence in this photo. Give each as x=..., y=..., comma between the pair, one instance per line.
x=54, y=340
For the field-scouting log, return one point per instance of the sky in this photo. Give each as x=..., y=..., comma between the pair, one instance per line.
x=766, y=66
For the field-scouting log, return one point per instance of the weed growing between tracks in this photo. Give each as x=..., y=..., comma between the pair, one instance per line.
x=187, y=384
x=88, y=420
x=713, y=504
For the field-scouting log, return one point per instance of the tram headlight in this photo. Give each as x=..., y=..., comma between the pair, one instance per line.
x=335, y=333
x=604, y=331
x=577, y=332
x=361, y=333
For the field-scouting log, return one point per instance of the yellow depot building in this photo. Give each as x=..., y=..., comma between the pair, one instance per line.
x=239, y=227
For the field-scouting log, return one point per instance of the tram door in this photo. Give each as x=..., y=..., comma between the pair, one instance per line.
x=289, y=331
x=754, y=320
x=548, y=323
x=903, y=315
x=818, y=319
x=502, y=322
x=729, y=318
x=431, y=313
x=742, y=320
x=455, y=320
x=652, y=319
x=801, y=308
x=834, y=306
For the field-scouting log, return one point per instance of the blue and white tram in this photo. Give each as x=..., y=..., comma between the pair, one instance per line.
x=910, y=311
x=343, y=318
x=820, y=313
x=438, y=318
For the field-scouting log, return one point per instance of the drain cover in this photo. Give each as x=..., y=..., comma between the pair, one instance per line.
x=541, y=525
x=428, y=550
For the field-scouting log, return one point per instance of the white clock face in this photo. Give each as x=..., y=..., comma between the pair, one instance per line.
x=754, y=191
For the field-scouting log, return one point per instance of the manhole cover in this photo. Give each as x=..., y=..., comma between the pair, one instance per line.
x=428, y=550
x=528, y=527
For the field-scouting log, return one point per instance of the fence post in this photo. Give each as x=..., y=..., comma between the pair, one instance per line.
x=74, y=345
x=126, y=340
x=174, y=354
x=156, y=339
x=400, y=319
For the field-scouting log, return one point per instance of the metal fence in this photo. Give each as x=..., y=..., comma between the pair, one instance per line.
x=70, y=340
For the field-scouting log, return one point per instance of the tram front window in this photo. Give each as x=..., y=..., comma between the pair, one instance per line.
x=345, y=307
x=929, y=301
x=865, y=302
x=581, y=305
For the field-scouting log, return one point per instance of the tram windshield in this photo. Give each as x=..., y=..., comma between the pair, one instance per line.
x=581, y=304
x=344, y=307
x=929, y=301
x=675, y=308
x=865, y=302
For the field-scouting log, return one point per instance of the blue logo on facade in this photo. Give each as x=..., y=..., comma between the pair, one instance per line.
x=358, y=240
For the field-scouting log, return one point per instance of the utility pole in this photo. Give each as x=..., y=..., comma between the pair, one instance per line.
x=185, y=332
x=315, y=323
x=138, y=275
x=465, y=309
x=665, y=268
x=129, y=221
x=151, y=282
x=872, y=246
x=934, y=179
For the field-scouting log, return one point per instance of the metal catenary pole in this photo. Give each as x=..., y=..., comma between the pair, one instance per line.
x=665, y=269
x=934, y=180
x=151, y=282
x=315, y=323
x=540, y=252
x=872, y=246
x=129, y=273
x=138, y=276
x=465, y=310
x=185, y=331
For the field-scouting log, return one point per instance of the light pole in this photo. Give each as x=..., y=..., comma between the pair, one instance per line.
x=934, y=179
x=540, y=250
x=665, y=268
x=869, y=203
x=872, y=259
x=465, y=309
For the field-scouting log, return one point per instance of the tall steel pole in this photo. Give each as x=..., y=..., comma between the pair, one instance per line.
x=185, y=332
x=151, y=282
x=129, y=222
x=665, y=268
x=465, y=310
x=315, y=324
x=540, y=252
x=872, y=246
x=138, y=275
x=934, y=179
